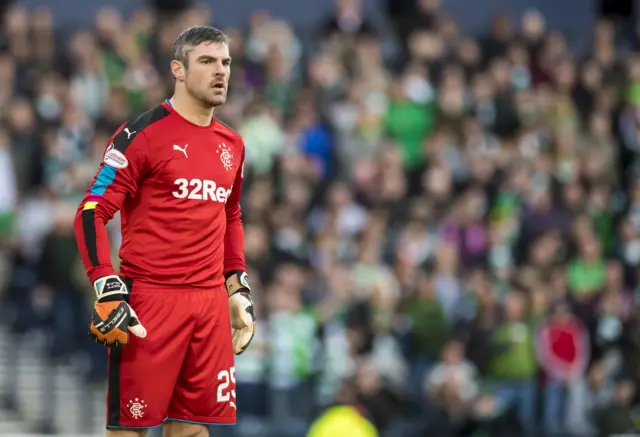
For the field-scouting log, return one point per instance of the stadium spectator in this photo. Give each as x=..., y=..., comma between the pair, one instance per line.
x=443, y=229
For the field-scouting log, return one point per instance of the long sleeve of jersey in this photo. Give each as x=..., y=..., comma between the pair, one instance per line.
x=122, y=168
x=234, y=235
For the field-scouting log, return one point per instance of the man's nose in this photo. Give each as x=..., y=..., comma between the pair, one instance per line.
x=220, y=71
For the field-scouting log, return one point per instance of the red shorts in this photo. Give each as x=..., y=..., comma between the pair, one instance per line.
x=184, y=368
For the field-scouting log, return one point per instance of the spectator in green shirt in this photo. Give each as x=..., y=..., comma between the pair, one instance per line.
x=512, y=367
x=586, y=273
x=411, y=118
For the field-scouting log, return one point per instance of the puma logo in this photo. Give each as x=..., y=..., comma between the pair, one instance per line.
x=129, y=133
x=180, y=149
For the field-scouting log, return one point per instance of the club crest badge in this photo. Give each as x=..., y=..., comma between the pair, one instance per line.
x=225, y=156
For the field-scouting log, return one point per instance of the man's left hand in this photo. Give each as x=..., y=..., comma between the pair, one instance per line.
x=243, y=320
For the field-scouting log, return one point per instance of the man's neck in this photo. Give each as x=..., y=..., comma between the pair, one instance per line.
x=191, y=110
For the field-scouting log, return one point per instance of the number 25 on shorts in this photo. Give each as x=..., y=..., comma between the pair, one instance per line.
x=225, y=379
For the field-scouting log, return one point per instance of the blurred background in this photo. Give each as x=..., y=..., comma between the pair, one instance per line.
x=441, y=206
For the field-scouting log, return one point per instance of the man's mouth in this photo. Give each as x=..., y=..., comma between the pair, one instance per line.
x=219, y=85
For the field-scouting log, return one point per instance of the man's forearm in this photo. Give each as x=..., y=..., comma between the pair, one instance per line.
x=234, y=247
x=93, y=241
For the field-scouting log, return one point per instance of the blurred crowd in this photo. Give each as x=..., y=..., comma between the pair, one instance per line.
x=442, y=230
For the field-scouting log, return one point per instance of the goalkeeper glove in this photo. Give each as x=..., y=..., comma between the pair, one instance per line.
x=243, y=321
x=112, y=315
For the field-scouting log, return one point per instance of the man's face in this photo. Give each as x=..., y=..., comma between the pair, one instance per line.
x=207, y=74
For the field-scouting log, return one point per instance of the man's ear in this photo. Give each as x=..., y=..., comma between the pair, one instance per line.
x=178, y=70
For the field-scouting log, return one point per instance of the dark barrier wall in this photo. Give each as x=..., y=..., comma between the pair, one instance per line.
x=470, y=14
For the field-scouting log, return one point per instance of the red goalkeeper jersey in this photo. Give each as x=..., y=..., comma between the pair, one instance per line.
x=177, y=186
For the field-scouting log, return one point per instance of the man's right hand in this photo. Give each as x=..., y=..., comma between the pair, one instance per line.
x=113, y=318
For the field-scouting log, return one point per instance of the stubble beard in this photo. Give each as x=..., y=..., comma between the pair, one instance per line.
x=218, y=100
x=206, y=99
x=210, y=100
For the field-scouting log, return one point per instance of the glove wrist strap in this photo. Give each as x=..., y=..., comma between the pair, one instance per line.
x=110, y=288
x=237, y=281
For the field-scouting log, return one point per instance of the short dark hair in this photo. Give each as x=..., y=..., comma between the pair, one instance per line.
x=193, y=36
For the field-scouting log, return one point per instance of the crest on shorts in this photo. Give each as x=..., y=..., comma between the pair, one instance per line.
x=225, y=156
x=136, y=408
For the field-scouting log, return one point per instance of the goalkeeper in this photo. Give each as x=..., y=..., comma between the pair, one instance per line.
x=180, y=306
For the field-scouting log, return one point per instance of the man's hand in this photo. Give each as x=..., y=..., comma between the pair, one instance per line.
x=243, y=321
x=113, y=318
